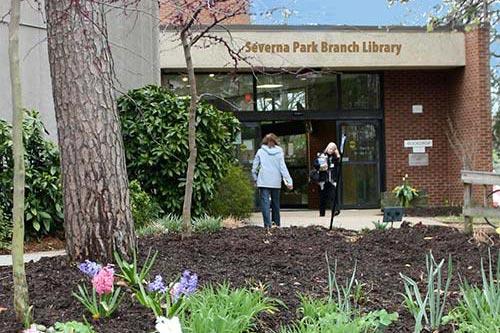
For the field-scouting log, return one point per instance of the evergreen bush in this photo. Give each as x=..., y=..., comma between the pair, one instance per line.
x=155, y=134
x=235, y=195
x=43, y=192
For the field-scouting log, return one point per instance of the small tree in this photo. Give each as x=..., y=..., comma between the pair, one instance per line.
x=21, y=301
x=185, y=17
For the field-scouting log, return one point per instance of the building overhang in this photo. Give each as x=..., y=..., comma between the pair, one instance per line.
x=302, y=47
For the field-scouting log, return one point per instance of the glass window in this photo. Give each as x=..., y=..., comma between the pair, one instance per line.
x=360, y=91
x=226, y=92
x=288, y=92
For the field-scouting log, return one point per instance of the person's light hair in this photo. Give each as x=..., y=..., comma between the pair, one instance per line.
x=272, y=139
x=331, y=146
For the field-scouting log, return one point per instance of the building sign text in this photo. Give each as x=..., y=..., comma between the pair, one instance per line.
x=324, y=47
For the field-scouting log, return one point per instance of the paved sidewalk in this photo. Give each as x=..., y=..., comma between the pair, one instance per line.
x=352, y=219
x=6, y=260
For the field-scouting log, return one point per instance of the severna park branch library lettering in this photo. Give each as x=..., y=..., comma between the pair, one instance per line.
x=394, y=92
x=324, y=47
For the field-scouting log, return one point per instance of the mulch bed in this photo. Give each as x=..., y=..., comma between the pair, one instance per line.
x=289, y=262
x=433, y=211
x=46, y=243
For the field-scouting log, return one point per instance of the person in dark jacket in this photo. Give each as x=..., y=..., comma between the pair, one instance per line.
x=327, y=164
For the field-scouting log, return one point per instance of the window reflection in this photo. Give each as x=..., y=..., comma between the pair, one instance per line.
x=360, y=91
x=226, y=92
x=311, y=91
x=290, y=92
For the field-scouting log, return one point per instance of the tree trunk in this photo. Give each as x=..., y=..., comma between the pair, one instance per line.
x=19, y=275
x=97, y=217
x=188, y=194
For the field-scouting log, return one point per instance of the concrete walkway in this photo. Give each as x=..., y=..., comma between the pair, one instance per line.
x=352, y=219
x=6, y=260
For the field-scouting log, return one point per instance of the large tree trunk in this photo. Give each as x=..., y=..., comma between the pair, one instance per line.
x=188, y=194
x=21, y=304
x=97, y=215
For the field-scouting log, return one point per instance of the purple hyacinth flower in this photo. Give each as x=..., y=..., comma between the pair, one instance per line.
x=157, y=285
x=186, y=286
x=89, y=268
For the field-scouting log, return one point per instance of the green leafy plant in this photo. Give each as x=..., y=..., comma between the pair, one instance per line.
x=336, y=314
x=380, y=225
x=130, y=273
x=405, y=193
x=104, y=298
x=207, y=224
x=163, y=300
x=173, y=223
x=145, y=210
x=322, y=316
x=479, y=307
x=71, y=327
x=224, y=310
x=428, y=309
x=101, y=306
x=234, y=195
x=170, y=223
x=43, y=194
x=5, y=231
x=154, y=127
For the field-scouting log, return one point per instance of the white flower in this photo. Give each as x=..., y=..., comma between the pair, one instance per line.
x=32, y=329
x=168, y=325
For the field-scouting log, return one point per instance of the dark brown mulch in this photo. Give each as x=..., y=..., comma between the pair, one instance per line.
x=46, y=243
x=433, y=211
x=291, y=261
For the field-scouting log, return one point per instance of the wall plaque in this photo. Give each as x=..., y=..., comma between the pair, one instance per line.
x=418, y=159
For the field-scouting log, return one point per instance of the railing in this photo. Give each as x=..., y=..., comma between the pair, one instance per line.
x=485, y=179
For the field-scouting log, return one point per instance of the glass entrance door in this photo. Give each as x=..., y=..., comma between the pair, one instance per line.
x=361, y=164
x=293, y=140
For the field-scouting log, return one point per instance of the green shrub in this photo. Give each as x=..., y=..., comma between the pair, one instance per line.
x=5, y=231
x=479, y=307
x=155, y=126
x=145, y=210
x=207, y=224
x=234, y=196
x=43, y=192
x=225, y=310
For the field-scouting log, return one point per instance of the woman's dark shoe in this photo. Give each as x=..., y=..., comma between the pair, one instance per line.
x=337, y=212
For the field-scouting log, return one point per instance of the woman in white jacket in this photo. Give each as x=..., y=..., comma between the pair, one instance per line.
x=268, y=170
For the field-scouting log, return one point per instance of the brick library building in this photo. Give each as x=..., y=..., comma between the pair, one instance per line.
x=410, y=102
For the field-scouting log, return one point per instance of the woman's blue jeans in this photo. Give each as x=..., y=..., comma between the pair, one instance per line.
x=270, y=198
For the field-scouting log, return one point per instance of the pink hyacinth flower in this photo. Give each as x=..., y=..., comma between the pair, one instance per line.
x=103, y=281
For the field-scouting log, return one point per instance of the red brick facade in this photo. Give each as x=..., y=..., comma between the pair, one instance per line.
x=167, y=9
x=460, y=97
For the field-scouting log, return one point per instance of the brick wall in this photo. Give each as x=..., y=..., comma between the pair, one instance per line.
x=461, y=96
x=470, y=111
x=166, y=10
x=402, y=89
